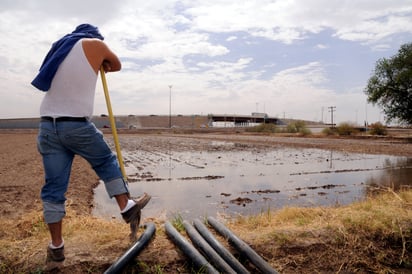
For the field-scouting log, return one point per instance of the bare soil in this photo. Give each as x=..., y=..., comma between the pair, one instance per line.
x=21, y=178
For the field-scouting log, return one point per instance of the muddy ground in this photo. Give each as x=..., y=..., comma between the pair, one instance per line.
x=21, y=173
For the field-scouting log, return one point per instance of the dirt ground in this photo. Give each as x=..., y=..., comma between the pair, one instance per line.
x=21, y=172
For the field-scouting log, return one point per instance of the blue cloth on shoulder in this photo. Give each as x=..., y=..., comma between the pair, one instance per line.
x=58, y=52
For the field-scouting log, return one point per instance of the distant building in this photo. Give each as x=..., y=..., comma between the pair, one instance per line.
x=235, y=120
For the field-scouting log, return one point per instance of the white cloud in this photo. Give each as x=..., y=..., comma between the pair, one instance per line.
x=322, y=46
x=372, y=31
x=210, y=51
x=287, y=21
x=231, y=38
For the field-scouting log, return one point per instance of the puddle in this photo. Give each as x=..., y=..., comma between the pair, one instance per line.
x=229, y=179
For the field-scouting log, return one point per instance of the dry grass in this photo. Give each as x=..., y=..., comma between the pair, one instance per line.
x=374, y=235
x=370, y=236
x=23, y=247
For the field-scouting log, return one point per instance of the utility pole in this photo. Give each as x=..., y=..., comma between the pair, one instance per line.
x=331, y=110
x=170, y=106
x=322, y=114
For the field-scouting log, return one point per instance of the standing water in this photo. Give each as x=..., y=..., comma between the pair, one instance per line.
x=228, y=179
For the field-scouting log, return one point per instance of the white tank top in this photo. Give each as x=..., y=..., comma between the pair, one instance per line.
x=73, y=87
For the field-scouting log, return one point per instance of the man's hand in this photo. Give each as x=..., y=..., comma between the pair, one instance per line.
x=106, y=66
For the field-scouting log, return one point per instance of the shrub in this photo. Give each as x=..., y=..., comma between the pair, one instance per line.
x=298, y=127
x=305, y=131
x=328, y=131
x=378, y=129
x=295, y=127
x=346, y=129
x=271, y=128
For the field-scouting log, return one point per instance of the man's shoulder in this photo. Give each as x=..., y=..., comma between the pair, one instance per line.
x=94, y=45
x=92, y=41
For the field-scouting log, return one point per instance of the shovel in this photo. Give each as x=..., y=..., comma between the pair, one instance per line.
x=112, y=123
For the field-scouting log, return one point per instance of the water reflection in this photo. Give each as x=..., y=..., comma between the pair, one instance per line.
x=226, y=180
x=396, y=174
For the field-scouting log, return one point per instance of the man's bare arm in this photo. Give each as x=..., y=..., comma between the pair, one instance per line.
x=98, y=54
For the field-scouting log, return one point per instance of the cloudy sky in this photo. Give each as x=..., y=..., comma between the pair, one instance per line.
x=288, y=58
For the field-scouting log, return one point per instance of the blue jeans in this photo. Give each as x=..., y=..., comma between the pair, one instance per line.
x=58, y=143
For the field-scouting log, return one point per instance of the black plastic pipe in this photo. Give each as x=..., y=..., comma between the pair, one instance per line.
x=206, y=249
x=198, y=260
x=241, y=246
x=133, y=251
x=220, y=249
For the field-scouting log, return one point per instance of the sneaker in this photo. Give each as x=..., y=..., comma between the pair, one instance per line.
x=135, y=211
x=55, y=255
x=133, y=215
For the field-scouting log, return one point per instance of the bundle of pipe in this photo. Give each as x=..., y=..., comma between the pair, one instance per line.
x=218, y=256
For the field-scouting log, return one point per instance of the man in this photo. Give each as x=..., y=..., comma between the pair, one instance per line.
x=68, y=75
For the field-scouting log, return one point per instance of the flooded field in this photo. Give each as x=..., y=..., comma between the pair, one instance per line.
x=198, y=178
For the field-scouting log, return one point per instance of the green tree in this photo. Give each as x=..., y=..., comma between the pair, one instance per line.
x=390, y=86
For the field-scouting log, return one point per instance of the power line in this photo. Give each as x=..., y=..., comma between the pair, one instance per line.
x=331, y=110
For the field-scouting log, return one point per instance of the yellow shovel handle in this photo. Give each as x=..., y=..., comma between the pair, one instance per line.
x=112, y=123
